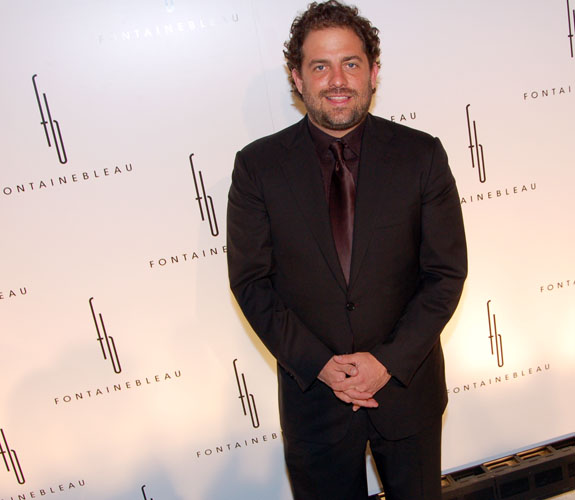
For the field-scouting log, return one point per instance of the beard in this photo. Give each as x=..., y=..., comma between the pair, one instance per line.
x=338, y=118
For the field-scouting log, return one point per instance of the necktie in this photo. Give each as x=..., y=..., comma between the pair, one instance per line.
x=342, y=207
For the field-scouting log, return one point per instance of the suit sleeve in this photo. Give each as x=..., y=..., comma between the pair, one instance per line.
x=251, y=269
x=443, y=269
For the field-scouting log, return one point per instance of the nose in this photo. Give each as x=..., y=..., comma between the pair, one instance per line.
x=337, y=77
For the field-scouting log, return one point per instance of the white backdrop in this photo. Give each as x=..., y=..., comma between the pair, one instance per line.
x=126, y=366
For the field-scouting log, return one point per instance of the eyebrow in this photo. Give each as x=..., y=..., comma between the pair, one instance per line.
x=324, y=61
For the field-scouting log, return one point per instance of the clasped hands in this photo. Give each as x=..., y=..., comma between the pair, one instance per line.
x=355, y=378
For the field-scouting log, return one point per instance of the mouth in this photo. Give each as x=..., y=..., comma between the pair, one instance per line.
x=340, y=96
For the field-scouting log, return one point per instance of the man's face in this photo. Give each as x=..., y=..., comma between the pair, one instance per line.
x=336, y=80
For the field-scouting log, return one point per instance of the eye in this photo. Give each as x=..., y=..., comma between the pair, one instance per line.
x=319, y=67
x=351, y=65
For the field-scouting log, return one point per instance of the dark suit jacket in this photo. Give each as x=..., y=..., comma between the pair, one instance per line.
x=407, y=272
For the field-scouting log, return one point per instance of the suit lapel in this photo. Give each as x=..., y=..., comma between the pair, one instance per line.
x=303, y=174
x=374, y=184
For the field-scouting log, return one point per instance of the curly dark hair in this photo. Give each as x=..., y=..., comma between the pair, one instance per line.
x=330, y=14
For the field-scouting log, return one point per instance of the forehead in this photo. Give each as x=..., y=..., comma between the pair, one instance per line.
x=332, y=42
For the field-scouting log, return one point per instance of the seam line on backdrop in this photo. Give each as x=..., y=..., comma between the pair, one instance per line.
x=259, y=43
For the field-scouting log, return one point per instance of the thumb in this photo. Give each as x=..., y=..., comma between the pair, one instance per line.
x=346, y=366
x=342, y=359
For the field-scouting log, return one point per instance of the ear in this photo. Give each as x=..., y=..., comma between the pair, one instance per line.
x=373, y=75
x=297, y=80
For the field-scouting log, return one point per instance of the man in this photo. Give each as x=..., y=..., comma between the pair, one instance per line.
x=346, y=253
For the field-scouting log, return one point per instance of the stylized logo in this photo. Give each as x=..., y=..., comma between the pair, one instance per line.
x=494, y=337
x=144, y=493
x=10, y=459
x=107, y=343
x=246, y=398
x=475, y=149
x=205, y=202
x=170, y=7
x=571, y=22
x=54, y=129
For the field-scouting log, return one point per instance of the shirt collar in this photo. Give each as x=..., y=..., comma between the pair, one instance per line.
x=322, y=141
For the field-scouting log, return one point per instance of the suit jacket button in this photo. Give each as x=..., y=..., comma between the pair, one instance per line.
x=350, y=306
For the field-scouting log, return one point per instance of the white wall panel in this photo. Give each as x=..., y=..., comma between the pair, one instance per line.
x=138, y=87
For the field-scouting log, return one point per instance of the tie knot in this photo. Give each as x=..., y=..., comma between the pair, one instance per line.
x=336, y=147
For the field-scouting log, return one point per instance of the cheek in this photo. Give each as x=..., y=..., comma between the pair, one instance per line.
x=318, y=80
x=312, y=87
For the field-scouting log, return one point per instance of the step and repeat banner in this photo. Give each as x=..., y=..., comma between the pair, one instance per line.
x=127, y=370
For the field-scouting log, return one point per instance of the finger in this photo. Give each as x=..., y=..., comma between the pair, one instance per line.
x=348, y=369
x=360, y=403
x=338, y=376
x=343, y=385
x=343, y=396
x=348, y=359
x=365, y=403
x=352, y=383
x=356, y=394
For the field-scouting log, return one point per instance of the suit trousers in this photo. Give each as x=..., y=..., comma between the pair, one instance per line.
x=409, y=468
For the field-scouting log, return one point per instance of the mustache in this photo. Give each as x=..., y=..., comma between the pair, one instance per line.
x=339, y=91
